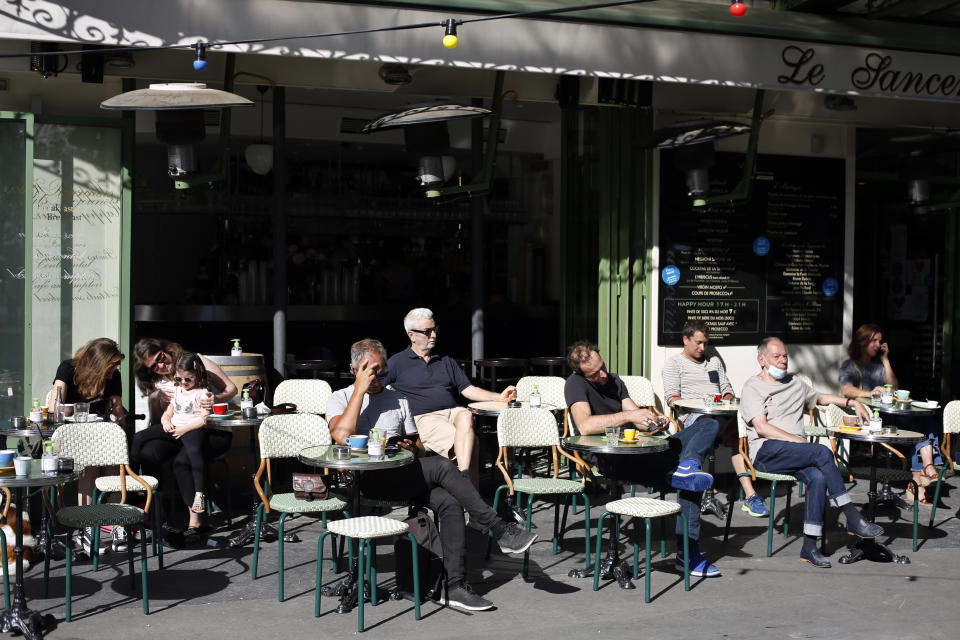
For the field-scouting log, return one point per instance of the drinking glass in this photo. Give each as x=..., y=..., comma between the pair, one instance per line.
x=613, y=434
x=80, y=411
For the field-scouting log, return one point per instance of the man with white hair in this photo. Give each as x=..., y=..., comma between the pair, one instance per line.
x=433, y=383
x=773, y=404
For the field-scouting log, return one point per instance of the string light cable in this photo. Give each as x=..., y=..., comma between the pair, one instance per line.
x=450, y=38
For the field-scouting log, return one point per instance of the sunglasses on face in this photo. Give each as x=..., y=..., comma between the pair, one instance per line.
x=162, y=358
x=187, y=379
x=427, y=332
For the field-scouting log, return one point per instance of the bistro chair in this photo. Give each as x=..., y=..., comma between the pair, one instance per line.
x=366, y=529
x=773, y=478
x=101, y=444
x=310, y=396
x=284, y=436
x=646, y=509
x=497, y=374
x=951, y=427
x=537, y=428
x=641, y=392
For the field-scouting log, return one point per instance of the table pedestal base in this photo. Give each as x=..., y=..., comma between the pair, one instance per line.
x=872, y=550
x=268, y=532
x=612, y=567
x=21, y=618
x=710, y=504
x=347, y=589
x=887, y=496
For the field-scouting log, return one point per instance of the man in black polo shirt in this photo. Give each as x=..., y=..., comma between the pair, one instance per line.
x=598, y=399
x=432, y=384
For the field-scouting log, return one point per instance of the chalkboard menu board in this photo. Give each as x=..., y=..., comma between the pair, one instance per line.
x=772, y=265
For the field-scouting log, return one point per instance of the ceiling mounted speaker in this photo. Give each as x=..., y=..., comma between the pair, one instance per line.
x=395, y=74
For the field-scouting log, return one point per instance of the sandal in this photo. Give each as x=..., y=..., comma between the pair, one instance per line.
x=925, y=480
x=199, y=503
x=925, y=502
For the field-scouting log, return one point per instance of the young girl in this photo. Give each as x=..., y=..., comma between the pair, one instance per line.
x=185, y=417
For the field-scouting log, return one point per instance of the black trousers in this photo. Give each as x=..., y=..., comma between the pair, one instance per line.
x=436, y=482
x=153, y=447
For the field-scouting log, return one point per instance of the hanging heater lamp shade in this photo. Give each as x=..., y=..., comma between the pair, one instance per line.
x=175, y=95
x=259, y=158
x=693, y=132
x=424, y=114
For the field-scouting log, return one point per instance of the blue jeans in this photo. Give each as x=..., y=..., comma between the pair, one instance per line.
x=652, y=470
x=813, y=464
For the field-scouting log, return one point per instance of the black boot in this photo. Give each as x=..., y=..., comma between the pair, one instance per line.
x=857, y=525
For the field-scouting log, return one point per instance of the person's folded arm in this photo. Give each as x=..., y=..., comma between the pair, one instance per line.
x=589, y=424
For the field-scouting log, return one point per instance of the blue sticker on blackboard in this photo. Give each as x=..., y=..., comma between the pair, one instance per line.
x=761, y=246
x=670, y=275
x=830, y=287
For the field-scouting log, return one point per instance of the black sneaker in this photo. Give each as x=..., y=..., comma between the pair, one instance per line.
x=514, y=539
x=462, y=596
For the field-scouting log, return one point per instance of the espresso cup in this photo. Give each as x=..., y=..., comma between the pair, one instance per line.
x=220, y=409
x=357, y=442
x=902, y=395
x=21, y=465
x=629, y=434
x=67, y=409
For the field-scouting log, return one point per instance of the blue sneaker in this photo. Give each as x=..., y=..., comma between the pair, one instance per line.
x=754, y=506
x=699, y=567
x=689, y=477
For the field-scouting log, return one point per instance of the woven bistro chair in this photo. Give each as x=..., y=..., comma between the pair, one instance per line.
x=366, y=529
x=537, y=428
x=646, y=509
x=101, y=444
x=951, y=427
x=641, y=392
x=310, y=396
x=284, y=436
x=105, y=485
x=773, y=478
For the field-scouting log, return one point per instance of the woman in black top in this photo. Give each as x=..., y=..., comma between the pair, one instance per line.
x=93, y=376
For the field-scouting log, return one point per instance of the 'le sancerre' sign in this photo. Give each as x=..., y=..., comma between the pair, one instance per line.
x=877, y=73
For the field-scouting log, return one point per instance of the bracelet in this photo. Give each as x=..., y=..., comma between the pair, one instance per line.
x=847, y=403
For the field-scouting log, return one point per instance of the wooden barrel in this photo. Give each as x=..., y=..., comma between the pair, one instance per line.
x=242, y=369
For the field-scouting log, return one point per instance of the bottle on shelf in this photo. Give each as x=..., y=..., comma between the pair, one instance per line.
x=235, y=350
x=36, y=414
x=535, y=397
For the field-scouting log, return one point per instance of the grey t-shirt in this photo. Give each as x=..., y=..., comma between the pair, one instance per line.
x=781, y=403
x=867, y=376
x=387, y=410
x=684, y=378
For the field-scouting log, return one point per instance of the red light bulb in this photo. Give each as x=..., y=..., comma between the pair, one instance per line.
x=737, y=9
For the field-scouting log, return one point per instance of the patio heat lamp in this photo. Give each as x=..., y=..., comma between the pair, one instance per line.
x=180, y=124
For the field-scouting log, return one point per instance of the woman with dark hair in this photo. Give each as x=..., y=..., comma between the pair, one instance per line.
x=868, y=370
x=93, y=376
x=154, y=366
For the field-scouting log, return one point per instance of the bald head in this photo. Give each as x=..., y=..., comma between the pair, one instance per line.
x=764, y=347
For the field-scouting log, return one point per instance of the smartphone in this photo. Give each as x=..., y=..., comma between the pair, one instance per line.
x=410, y=437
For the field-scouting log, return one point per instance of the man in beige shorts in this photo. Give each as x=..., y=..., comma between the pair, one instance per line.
x=433, y=384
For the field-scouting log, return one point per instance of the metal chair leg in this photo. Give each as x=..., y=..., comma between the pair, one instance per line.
x=319, y=579
x=280, y=523
x=770, y=518
x=256, y=543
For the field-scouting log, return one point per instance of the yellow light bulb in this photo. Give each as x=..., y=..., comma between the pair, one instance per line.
x=450, y=41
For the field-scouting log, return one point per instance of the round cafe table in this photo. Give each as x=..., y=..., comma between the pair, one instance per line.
x=597, y=445
x=866, y=547
x=709, y=503
x=493, y=408
x=234, y=420
x=20, y=616
x=915, y=418
x=358, y=463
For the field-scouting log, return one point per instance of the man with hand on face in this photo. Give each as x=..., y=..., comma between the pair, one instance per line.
x=691, y=374
x=431, y=480
x=773, y=404
x=432, y=383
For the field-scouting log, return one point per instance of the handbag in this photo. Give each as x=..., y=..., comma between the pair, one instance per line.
x=309, y=486
x=282, y=408
x=254, y=389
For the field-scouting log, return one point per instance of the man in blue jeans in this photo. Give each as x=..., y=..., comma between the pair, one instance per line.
x=772, y=404
x=598, y=399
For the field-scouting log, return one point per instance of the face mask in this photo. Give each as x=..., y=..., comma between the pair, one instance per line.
x=776, y=374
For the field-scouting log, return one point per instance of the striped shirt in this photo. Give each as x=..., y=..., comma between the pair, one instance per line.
x=684, y=378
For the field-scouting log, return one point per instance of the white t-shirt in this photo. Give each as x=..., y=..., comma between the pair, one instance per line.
x=387, y=410
x=186, y=406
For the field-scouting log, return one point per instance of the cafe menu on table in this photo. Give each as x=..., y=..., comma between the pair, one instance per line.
x=770, y=265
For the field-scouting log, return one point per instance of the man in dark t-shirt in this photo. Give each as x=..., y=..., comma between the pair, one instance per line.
x=598, y=399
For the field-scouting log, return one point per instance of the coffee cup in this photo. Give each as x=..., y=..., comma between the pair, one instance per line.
x=21, y=465
x=357, y=442
x=67, y=409
x=850, y=421
x=902, y=395
x=6, y=456
x=629, y=434
x=220, y=409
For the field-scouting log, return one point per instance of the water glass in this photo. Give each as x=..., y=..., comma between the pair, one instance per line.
x=707, y=402
x=80, y=411
x=613, y=434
